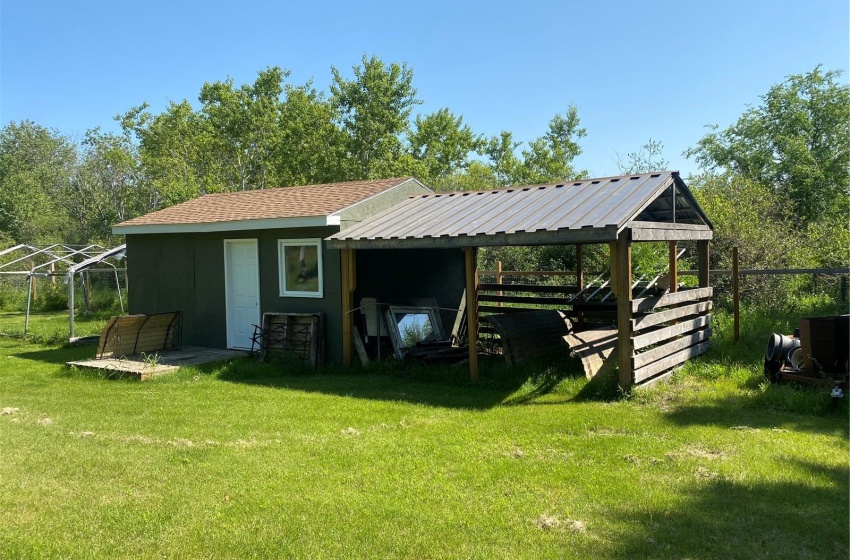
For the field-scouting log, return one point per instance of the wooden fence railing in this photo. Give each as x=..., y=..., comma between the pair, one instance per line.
x=669, y=330
x=666, y=331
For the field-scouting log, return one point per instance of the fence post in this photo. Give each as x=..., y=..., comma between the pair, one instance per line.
x=736, y=295
x=499, y=278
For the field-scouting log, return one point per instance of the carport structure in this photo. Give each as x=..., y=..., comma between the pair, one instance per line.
x=654, y=334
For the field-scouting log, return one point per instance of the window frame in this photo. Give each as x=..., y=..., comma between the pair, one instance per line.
x=282, y=244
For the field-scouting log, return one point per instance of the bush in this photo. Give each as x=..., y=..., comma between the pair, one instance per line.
x=51, y=297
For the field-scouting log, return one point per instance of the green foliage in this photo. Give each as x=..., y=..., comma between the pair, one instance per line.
x=311, y=146
x=796, y=142
x=106, y=187
x=648, y=158
x=35, y=166
x=51, y=297
x=776, y=184
x=443, y=143
x=546, y=159
x=374, y=110
x=243, y=128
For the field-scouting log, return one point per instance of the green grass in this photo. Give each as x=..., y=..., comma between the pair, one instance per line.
x=249, y=460
x=51, y=327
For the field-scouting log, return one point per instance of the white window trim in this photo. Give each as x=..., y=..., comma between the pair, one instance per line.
x=281, y=266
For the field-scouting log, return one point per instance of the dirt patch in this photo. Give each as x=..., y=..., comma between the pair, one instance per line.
x=45, y=421
x=9, y=410
x=547, y=522
x=552, y=522
x=349, y=432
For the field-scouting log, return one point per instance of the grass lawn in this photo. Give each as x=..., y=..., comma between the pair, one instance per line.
x=248, y=460
x=51, y=326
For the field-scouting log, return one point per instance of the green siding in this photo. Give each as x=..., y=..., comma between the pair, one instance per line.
x=185, y=272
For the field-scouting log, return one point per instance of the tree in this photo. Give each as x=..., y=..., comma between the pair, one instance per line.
x=796, y=142
x=106, y=188
x=35, y=167
x=648, y=158
x=549, y=158
x=312, y=148
x=443, y=143
x=373, y=111
x=244, y=127
x=174, y=152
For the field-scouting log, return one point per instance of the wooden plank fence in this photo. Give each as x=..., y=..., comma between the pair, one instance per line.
x=665, y=331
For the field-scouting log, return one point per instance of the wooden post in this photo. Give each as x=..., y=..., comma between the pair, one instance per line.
x=612, y=251
x=347, y=273
x=499, y=278
x=89, y=292
x=674, y=267
x=580, y=280
x=621, y=261
x=736, y=295
x=472, y=311
x=703, y=264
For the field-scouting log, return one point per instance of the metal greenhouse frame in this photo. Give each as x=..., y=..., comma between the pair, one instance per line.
x=62, y=261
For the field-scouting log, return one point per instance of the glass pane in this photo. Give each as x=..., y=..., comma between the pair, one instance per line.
x=302, y=268
x=413, y=328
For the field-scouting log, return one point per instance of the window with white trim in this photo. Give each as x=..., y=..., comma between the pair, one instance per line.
x=300, y=267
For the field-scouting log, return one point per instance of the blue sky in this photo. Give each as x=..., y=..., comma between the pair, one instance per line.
x=635, y=70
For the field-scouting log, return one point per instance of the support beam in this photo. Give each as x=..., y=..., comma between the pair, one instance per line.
x=348, y=285
x=674, y=267
x=621, y=262
x=580, y=280
x=472, y=310
x=702, y=263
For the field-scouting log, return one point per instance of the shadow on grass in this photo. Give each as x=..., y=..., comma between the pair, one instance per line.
x=60, y=355
x=775, y=407
x=435, y=385
x=727, y=519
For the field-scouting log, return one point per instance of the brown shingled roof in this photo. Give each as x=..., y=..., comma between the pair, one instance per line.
x=286, y=202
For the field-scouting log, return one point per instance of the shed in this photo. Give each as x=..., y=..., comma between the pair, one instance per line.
x=654, y=334
x=223, y=259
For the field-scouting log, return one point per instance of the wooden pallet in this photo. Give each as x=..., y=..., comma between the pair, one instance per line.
x=296, y=335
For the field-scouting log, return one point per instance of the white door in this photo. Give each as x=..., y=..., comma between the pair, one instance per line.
x=242, y=291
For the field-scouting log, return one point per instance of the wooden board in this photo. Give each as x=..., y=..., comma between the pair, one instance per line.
x=596, y=348
x=671, y=361
x=133, y=334
x=659, y=352
x=656, y=337
x=824, y=341
x=299, y=335
x=647, y=304
x=530, y=334
x=530, y=288
x=534, y=300
x=651, y=320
